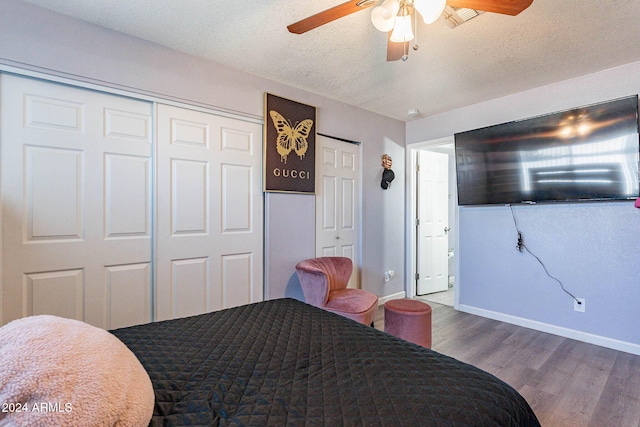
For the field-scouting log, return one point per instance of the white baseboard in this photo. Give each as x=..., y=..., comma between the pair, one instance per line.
x=614, y=344
x=384, y=299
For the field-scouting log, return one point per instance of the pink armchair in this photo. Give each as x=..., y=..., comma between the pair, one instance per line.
x=324, y=284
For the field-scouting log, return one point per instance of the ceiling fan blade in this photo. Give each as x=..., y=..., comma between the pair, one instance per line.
x=395, y=50
x=329, y=15
x=505, y=7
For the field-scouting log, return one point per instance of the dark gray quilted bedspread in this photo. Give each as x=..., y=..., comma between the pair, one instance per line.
x=285, y=363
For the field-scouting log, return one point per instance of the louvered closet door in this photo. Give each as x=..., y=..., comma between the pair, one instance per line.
x=76, y=204
x=209, y=220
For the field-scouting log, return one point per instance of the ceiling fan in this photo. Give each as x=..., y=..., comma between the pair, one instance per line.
x=394, y=17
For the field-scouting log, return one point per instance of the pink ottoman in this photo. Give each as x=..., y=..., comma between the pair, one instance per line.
x=408, y=319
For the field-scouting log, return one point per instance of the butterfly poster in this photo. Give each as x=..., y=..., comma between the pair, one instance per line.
x=289, y=146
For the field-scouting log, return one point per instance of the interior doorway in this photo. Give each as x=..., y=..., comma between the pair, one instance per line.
x=433, y=239
x=432, y=222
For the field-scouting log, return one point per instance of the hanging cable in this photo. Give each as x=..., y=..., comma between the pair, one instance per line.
x=520, y=246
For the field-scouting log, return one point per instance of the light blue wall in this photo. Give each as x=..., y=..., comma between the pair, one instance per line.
x=282, y=220
x=593, y=248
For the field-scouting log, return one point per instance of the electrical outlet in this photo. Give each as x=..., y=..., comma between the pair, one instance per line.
x=579, y=307
x=388, y=275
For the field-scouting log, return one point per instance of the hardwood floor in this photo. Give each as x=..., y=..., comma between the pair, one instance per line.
x=567, y=383
x=443, y=298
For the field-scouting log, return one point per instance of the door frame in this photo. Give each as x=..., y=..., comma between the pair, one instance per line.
x=410, y=218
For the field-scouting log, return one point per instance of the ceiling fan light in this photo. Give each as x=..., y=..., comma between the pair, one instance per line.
x=403, y=30
x=430, y=10
x=383, y=17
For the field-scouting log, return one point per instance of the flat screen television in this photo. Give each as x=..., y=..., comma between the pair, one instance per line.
x=584, y=154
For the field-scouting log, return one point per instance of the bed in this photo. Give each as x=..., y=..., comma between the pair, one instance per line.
x=286, y=363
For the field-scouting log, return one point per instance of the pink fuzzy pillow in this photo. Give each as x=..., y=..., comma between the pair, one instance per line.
x=63, y=372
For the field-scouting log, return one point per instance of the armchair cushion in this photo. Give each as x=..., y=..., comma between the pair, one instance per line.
x=351, y=301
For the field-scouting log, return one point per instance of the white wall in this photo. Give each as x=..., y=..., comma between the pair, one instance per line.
x=44, y=41
x=592, y=248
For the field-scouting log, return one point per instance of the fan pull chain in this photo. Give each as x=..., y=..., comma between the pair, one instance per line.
x=405, y=45
x=415, y=30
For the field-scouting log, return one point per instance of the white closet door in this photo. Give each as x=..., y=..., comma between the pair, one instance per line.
x=209, y=218
x=76, y=204
x=338, y=201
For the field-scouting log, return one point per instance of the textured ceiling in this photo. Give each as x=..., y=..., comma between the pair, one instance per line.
x=487, y=57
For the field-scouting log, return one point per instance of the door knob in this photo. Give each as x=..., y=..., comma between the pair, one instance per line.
x=446, y=229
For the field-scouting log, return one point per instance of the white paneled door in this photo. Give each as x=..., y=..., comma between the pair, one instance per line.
x=209, y=214
x=338, y=201
x=433, y=221
x=76, y=204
